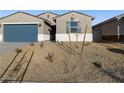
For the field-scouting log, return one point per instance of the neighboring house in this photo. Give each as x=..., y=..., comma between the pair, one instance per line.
x=111, y=29
x=24, y=27
x=73, y=25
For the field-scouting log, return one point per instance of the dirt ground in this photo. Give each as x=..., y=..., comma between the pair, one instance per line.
x=62, y=62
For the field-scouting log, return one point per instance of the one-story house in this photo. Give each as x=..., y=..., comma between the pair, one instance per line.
x=24, y=27
x=111, y=29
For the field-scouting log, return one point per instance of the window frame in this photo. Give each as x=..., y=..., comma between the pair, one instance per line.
x=73, y=27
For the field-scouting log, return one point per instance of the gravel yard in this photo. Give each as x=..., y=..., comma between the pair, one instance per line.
x=62, y=62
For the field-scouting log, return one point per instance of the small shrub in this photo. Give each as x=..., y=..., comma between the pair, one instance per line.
x=97, y=64
x=73, y=67
x=76, y=46
x=66, y=70
x=32, y=44
x=50, y=57
x=17, y=50
x=87, y=43
x=41, y=45
x=62, y=42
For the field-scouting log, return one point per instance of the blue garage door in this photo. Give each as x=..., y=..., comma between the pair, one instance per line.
x=20, y=32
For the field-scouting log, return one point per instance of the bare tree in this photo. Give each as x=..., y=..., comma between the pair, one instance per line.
x=83, y=41
x=78, y=30
x=69, y=31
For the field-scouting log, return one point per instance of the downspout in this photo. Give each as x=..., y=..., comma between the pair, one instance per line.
x=118, y=27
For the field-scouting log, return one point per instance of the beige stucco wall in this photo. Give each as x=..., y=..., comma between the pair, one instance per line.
x=83, y=19
x=50, y=18
x=22, y=18
x=46, y=29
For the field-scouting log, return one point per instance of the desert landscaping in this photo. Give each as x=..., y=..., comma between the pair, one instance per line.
x=64, y=62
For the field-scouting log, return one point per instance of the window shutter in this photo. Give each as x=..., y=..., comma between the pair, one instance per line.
x=67, y=27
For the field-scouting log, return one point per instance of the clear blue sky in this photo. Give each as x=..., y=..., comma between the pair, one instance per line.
x=100, y=15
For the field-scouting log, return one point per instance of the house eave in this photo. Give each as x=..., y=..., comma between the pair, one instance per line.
x=23, y=13
x=47, y=12
x=73, y=12
x=118, y=17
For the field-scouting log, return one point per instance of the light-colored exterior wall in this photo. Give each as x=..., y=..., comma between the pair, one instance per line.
x=50, y=18
x=43, y=37
x=46, y=29
x=61, y=26
x=21, y=18
x=46, y=33
x=65, y=37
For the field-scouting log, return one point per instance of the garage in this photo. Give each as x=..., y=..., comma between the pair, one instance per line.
x=20, y=32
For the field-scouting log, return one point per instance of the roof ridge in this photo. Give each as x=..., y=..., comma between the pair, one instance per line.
x=48, y=12
x=20, y=12
x=75, y=12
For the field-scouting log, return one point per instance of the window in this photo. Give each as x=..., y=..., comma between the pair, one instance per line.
x=74, y=23
x=74, y=30
x=74, y=26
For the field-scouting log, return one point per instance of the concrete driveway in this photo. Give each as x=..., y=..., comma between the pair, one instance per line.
x=6, y=47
